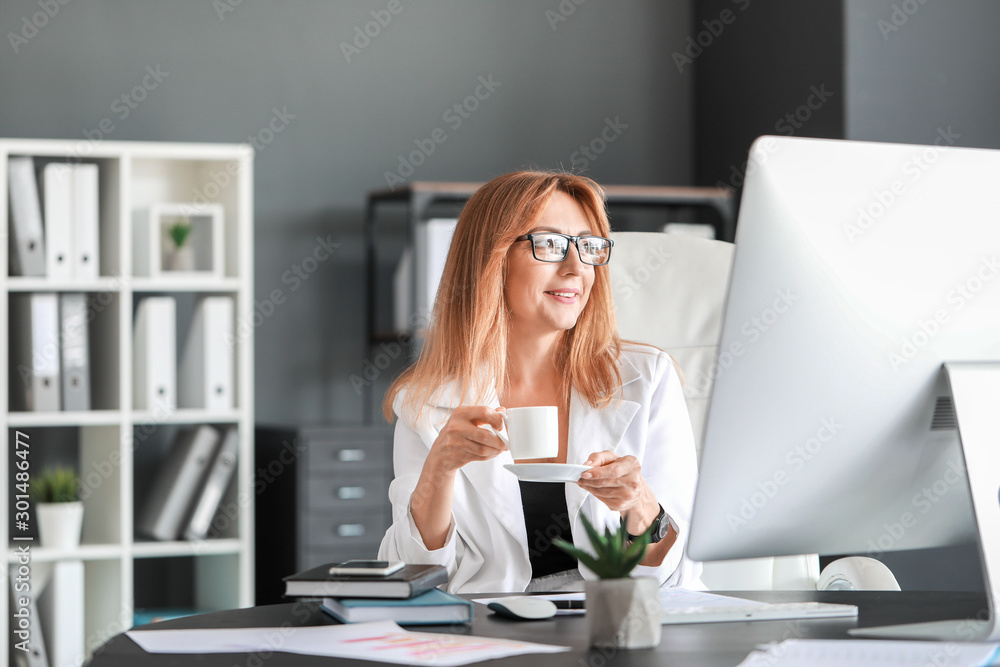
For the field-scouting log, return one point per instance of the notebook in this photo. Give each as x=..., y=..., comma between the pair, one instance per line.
x=433, y=607
x=406, y=583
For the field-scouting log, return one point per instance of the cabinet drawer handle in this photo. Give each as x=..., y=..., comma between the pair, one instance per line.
x=351, y=529
x=348, y=455
x=351, y=492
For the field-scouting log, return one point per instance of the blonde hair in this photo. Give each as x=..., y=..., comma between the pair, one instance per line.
x=467, y=339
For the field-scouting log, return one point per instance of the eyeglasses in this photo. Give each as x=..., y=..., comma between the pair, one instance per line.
x=552, y=247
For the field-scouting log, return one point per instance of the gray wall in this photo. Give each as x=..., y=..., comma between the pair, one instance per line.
x=914, y=67
x=227, y=74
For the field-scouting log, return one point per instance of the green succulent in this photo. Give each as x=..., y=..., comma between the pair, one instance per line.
x=179, y=232
x=614, y=556
x=56, y=485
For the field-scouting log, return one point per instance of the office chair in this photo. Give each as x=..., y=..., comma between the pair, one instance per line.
x=669, y=291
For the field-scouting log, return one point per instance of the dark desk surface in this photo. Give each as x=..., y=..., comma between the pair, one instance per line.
x=722, y=644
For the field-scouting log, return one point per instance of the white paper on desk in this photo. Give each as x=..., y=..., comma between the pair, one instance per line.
x=871, y=653
x=380, y=641
x=682, y=598
x=670, y=598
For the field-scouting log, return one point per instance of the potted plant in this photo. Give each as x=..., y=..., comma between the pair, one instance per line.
x=58, y=507
x=622, y=611
x=180, y=254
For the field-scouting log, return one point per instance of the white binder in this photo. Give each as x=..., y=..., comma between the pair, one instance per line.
x=178, y=484
x=86, y=236
x=206, y=375
x=57, y=200
x=154, y=350
x=430, y=252
x=215, y=487
x=35, y=351
x=75, y=351
x=62, y=614
x=28, y=250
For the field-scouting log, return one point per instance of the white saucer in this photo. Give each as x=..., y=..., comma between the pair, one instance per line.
x=547, y=472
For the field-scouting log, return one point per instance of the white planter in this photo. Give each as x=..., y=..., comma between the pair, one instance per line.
x=180, y=259
x=59, y=524
x=623, y=613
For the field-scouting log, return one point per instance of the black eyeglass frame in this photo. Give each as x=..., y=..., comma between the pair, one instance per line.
x=573, y=240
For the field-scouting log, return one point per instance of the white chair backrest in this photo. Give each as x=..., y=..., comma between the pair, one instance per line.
x=670, y=291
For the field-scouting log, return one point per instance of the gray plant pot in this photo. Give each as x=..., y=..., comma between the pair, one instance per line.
x=623, y=613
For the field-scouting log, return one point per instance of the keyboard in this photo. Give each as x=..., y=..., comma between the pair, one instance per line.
x=756, y=612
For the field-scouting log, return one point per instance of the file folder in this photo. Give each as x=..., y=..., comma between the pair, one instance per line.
x=154, y=352
x=179, y=482
x=215, y=487
x=57, y=199
x=433, y=240
x=86, y=235
x=206, y=373
x=27, y=256
x=34, y=327
x=62, y=614
x=75, y=351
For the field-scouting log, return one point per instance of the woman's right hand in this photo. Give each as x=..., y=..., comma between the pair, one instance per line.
x=462, y=439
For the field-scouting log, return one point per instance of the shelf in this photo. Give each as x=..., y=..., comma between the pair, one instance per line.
x=185, y=284
x=20, y=284
x=83, y=552
x=42, y=419
x=186, y=416
x=182, y=548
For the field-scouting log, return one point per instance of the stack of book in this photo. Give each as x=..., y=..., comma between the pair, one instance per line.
x=408, y=597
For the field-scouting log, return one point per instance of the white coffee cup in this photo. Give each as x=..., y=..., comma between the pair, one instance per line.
x=532, y=432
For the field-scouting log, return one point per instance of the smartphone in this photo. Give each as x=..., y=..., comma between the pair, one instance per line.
x=367, y=568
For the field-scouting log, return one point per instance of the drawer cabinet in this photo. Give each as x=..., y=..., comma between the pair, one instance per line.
x=322, y=497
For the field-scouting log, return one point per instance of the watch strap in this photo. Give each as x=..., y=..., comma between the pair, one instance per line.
x=657, y=530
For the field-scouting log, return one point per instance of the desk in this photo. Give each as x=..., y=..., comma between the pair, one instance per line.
x=711, y=644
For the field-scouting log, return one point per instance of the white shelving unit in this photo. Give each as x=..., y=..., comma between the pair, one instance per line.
x=118, y=448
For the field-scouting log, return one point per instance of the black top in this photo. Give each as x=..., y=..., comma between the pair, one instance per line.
x=546, y=517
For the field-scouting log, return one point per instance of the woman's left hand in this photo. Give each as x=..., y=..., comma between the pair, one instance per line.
x=615, y=480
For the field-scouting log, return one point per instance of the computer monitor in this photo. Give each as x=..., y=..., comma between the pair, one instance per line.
x=861, y=269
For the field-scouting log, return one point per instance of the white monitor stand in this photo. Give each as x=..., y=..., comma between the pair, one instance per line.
x=975, y=390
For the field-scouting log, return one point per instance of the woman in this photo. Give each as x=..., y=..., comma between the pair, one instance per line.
x=523, y=317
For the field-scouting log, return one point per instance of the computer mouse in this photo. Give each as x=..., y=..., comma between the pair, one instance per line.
x=524, y=608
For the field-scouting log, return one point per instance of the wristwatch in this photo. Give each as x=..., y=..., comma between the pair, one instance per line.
x=657, y=530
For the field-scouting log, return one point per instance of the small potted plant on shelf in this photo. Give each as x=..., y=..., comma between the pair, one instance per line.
x=622, y=611
x=180, y=254
x=58, y=508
